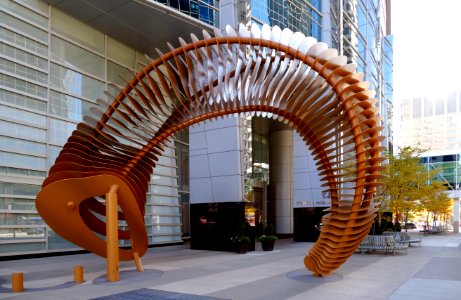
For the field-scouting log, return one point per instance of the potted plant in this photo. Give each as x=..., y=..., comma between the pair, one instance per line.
x=268, y=238
x=240, y=243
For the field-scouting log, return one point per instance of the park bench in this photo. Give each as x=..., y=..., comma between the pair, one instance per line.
x=404, y=237
x=383, y=243
x=435, y=230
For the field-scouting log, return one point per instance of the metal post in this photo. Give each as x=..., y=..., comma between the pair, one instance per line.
x=112, y=235
x=456, y=215
x=78, y=274
x=17, y=282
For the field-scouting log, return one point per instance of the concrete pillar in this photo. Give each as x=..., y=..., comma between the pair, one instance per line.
x=281, y=177
x=456, y=215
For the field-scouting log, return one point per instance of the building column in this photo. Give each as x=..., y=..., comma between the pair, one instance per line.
x=281, y=178
x=456, y=215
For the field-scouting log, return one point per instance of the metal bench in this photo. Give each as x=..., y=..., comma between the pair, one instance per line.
x=384, y=243
x=404, y=237
x=393, y=245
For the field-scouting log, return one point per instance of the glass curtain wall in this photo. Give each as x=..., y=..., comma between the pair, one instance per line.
x=205, y=10
x=448, y=169
x=432, y=122
x=52, y=70
x=359, y=31
x=304, y=15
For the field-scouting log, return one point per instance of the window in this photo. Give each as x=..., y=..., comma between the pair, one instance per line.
x=76, y=57
x=76, y=83
x=428, y=107
x=76, y=30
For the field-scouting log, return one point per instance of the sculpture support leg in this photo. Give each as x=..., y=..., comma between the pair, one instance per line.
x=137, y=261
x=112, y=235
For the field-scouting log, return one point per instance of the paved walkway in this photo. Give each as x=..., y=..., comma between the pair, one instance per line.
x=432, y=271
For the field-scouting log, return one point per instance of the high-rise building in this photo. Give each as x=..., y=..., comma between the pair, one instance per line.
x=59, y=56
x=361, y=30
x=433, y=123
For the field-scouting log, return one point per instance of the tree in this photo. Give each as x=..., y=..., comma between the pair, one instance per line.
x=435, y=201
x=406, y=183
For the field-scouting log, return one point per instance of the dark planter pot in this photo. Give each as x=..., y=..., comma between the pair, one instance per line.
x=268, y=246
x=241, y=248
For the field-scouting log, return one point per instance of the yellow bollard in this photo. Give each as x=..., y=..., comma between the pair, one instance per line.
x=17, y=282
x=137, y=261
x=112, y=235
x=78, y=274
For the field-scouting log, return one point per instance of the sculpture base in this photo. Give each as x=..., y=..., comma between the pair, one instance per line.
x=307, y=276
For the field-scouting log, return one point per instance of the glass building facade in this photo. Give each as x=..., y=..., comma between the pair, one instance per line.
x=360, y=30
x=303, y=15
x=53, y=67
x=432, y=122
x=205, y=10
x=448, y=169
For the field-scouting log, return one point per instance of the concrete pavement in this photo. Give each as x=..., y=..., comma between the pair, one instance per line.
x=432, y=271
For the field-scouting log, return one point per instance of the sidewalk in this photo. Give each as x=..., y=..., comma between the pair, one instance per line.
x=432, y=271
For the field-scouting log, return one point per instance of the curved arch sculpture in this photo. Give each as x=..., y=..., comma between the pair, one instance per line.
x=278, y=74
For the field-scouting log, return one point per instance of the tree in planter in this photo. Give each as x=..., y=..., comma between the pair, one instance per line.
x=268, y=238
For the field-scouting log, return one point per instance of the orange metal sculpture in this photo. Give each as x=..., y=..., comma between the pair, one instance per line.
x=278, y=74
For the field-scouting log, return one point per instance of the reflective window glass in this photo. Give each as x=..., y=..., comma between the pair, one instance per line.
x=22, y=85
x=23, y=71
x=24, y=56
x=22, y=41
x=406, y=108
x=451, y=103
x=21, y=100
x=38, y=5
x=120, y=52
x=20, y=219
x=10, y=203
x=76, y=57
x=75, y=83
x=22, y=161
x=68, y=106
x=22, y=172
x=114, y=72
x=53, y=153
x=24, y=12
x=22, y=247
x=7, y=188
x=60, y=131
x=23, y=27
x=417, y=108
x=22, y=116
x=440, y=106
x=77, y=31
x=56, y=242
x=428, y=107
x=22, y=131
